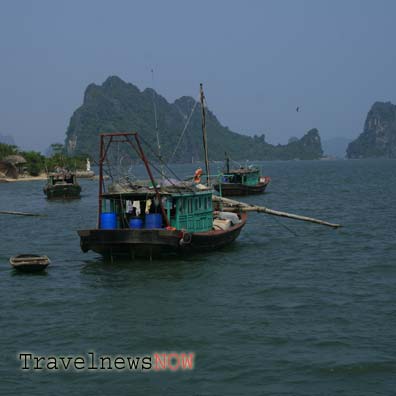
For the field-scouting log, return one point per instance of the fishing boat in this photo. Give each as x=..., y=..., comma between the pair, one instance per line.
x=242, y=181
x=62, y=184
x=169, y=218
x=29, y=262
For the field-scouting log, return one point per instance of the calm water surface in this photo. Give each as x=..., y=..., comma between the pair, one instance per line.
x=290, y=309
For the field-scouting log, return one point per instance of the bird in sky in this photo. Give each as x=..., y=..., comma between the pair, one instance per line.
x=298, y=109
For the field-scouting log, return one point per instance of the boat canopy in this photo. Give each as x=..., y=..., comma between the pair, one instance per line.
x=186, y=210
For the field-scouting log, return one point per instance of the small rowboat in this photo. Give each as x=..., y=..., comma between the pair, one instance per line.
x=30, y=262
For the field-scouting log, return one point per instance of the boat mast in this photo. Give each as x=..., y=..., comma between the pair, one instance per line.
x=156, y=125
x=101, y=159
x=205, y=143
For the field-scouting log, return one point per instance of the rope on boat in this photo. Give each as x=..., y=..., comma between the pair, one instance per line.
x=165, y=165
x=160, y=171
x=284, y=226
x=183, y=132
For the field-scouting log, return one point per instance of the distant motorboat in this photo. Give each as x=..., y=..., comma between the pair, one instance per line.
x=29, y=262
x=62, y=184
x=243, y=181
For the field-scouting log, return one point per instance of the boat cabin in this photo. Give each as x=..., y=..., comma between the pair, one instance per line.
x=61, y=178
x=186, y=210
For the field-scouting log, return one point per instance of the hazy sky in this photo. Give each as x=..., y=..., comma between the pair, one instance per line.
x=258, y=61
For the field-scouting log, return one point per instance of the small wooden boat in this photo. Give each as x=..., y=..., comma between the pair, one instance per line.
x=30, y=262
x=62, y=184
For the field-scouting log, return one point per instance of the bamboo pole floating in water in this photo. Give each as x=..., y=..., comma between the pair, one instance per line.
x=20, y=213
x=244, y=207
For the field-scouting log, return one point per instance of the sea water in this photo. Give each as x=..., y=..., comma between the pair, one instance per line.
x=290, y=308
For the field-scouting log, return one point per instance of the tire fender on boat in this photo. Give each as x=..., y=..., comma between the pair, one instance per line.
x=185, y=239
x=83, y=247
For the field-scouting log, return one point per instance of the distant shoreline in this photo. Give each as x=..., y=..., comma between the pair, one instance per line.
x=42, y=176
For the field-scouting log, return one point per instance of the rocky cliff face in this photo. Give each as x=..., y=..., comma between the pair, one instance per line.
x=117, y=106
x=378, y=139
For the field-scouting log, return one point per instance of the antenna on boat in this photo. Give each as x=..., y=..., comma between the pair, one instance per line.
x=205, y=143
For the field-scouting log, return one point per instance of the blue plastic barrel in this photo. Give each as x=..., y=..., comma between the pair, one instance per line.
x=136, y=222
x=108, y=221
x=153, y=220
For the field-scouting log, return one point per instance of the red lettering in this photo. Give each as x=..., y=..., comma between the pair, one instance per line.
x=187, y=361
x=158, y=363
x=172, y=357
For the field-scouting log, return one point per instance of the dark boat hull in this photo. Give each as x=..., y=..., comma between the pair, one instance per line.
x=144, y=243
x=238, y=189
x=62, y=191
x=30, y=267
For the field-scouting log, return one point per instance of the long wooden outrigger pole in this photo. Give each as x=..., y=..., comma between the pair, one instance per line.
x=11, y=212
x=232, y=205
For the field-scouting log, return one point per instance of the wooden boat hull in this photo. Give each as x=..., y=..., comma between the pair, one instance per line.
x=143, y=243
x=29, y=263
x=238, y=189
x=62, y=191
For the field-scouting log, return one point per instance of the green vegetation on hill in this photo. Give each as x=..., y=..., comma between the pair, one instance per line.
x=117, y=106
x=378, y=139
